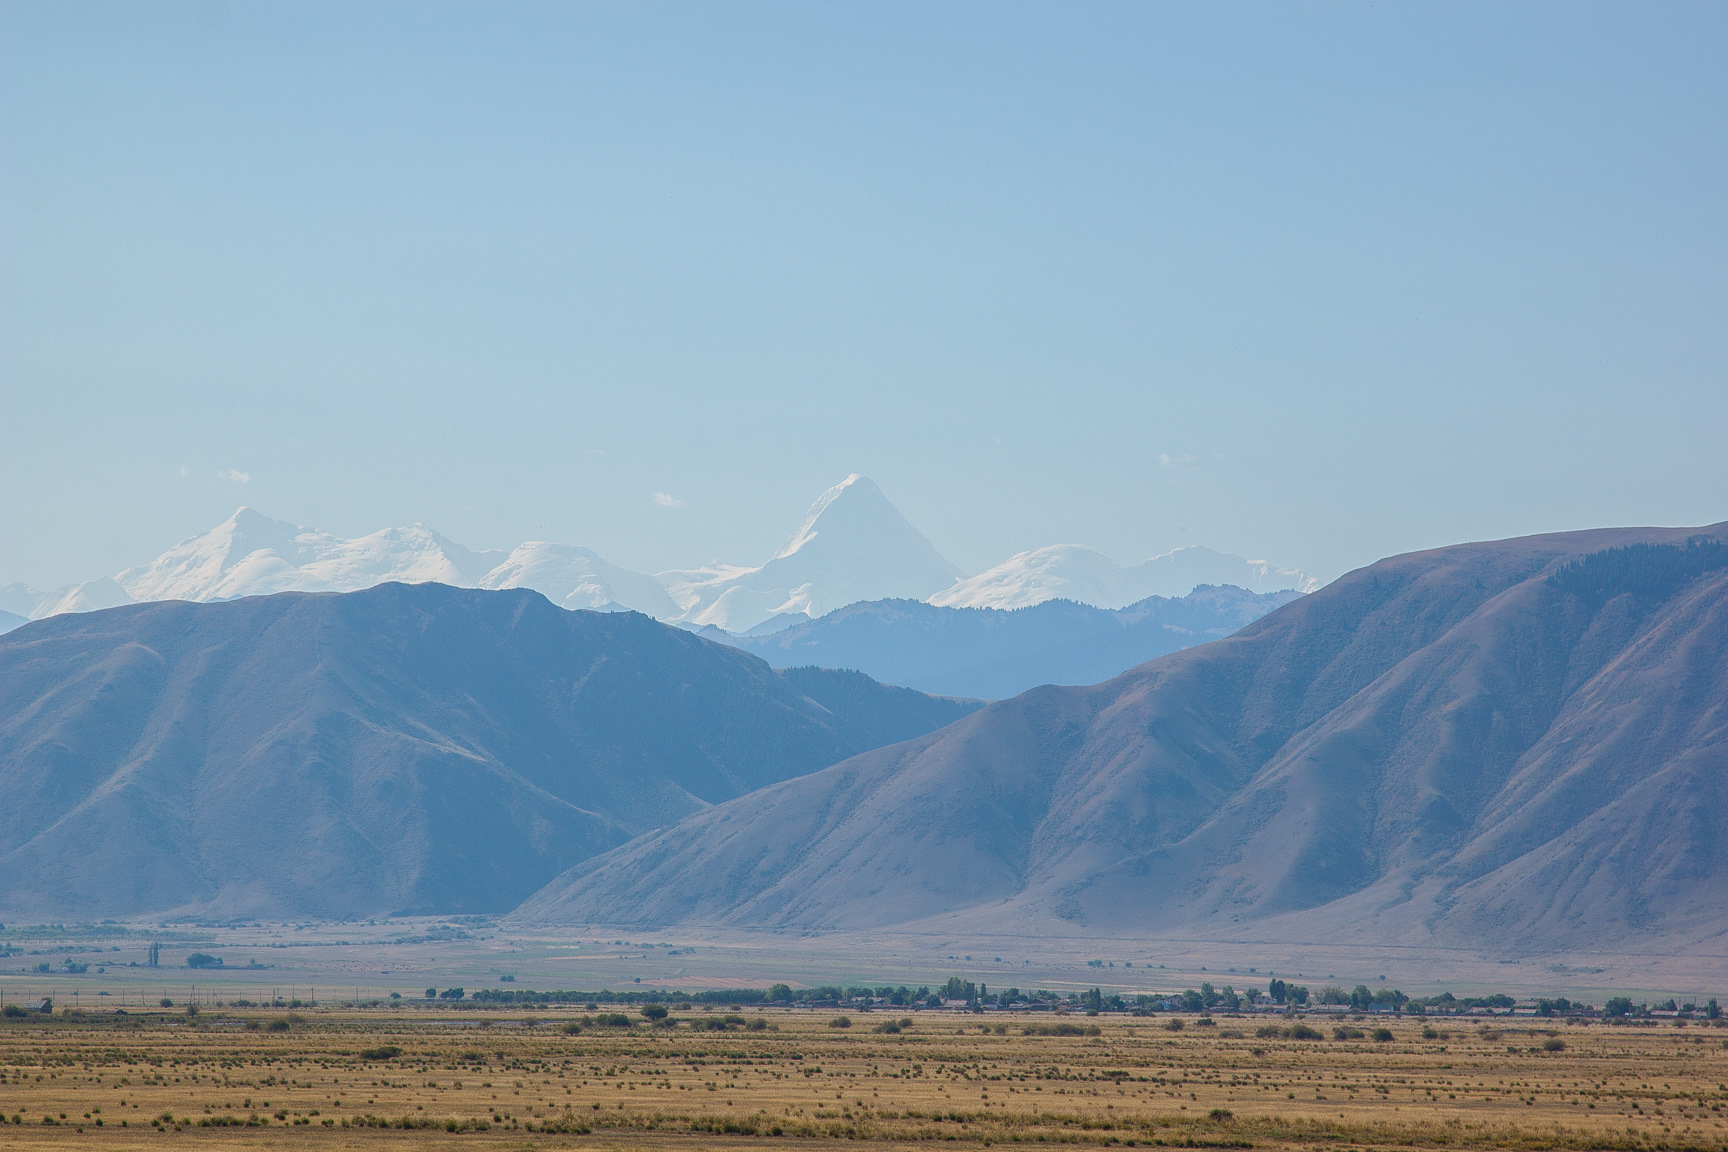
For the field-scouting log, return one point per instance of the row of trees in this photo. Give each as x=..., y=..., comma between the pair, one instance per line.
x=1622, y=1006
x=957, y=989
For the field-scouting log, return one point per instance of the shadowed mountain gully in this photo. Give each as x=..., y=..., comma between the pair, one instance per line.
x=412, y=748
x=1520, y=745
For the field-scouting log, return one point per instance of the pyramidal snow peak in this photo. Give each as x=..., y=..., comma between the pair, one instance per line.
x=853, y=545
x=864, y=494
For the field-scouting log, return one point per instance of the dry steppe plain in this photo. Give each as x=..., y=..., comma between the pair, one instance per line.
x=344, y=1077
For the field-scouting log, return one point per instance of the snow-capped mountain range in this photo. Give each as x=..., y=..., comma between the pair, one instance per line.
x=853, y=546
x=251, y=554
x=1071, y=572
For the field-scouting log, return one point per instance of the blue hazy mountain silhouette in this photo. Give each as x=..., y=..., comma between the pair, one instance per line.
x=405, y=748
x=991, y=653
x=1517, y=745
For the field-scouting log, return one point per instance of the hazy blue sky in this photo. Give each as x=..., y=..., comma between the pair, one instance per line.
x=1315, y=283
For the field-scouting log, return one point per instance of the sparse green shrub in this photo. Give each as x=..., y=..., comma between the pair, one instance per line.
x=1059, y=1029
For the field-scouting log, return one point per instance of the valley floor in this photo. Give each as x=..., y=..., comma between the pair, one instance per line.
x=364, y=960
x=340, y=1078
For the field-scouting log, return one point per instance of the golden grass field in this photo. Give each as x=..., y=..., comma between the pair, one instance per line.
x=788, y=1077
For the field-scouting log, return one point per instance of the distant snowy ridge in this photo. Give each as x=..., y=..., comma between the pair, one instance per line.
x=853, y=545
x=1071, y=572
x=574, y=577
x=90, y=596
x=250, y=554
